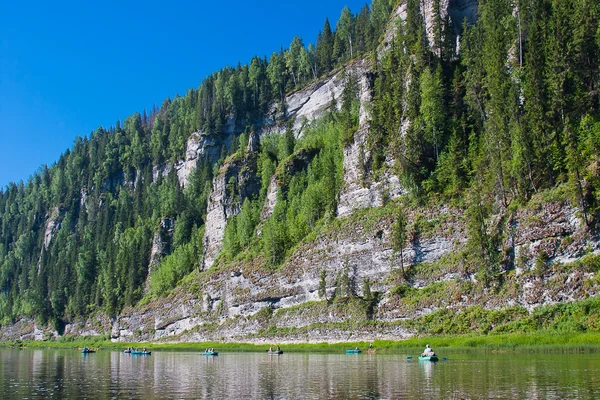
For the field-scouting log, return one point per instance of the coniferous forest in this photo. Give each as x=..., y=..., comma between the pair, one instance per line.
x=482, y=115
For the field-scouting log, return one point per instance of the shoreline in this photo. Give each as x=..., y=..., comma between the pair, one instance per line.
x=534, y=342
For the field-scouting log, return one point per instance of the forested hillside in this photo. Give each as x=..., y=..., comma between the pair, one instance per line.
x=479, y=117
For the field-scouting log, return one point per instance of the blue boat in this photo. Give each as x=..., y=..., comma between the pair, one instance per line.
x=274, y=352
x=428, y=358
x=140, y=353
x=210, y=353
x=353, y=351
x=88, y=351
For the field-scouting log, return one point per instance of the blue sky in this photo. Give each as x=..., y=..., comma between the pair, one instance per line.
x=68, y=67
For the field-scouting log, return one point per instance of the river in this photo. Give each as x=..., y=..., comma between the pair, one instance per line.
x=68, y=374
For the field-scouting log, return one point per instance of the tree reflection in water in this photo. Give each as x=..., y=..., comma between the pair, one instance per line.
x=57, y=374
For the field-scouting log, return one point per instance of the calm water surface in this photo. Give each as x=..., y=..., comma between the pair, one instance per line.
x=67, y=374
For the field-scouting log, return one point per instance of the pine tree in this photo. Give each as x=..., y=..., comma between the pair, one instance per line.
x=277, y=75
x=433, y=109
x=345, y=30
x=292, y=59
x=324, y=49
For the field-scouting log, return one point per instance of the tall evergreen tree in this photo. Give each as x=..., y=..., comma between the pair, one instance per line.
x=324, y=48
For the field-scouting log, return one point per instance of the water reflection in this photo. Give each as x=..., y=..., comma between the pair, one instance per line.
x=57, y=374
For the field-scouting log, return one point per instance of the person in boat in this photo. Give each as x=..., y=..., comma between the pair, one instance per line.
x=85, y=348
x=370, y=346
x=356, y=348
x=278, y=349
x=428, y=352
x=270, y=349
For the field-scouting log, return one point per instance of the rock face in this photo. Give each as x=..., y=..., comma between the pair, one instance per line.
x=303, y=106
x=543, y=236
x=306, y=105
x=161, y=242
x=199, y=146
x=361, y=189
x=52, y=226
x=239, y=302
x=241, y=294
x=195, y=149
x=271, y=200
x=245, y=300
x=458, y=12
x=236, y=181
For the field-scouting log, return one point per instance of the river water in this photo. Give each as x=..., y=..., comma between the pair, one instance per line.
x=68, y=374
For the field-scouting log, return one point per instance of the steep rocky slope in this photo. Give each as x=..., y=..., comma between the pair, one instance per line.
x=243, y=302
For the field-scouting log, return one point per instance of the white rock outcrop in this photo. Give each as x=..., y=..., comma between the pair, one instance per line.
x=161, y=242
x=311, y=103
x=200, y=145
x=217, y=213
x=236, y=181
x=458, y=11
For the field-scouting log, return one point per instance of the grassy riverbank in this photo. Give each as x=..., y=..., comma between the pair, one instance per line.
x=536, y=342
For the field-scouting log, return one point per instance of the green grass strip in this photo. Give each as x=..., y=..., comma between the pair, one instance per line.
x=535, y=342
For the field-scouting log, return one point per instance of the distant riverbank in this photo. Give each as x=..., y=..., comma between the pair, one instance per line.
x=535, y=342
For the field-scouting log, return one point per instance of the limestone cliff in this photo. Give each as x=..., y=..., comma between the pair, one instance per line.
x=236, y=181
x=457, y=11
x=199, y=146
x=360, y=247
x=306, y=105
x=240, y=302
x=161, y=242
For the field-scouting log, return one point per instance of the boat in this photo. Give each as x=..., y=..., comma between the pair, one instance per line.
x=353, y=351
x=274, y=352
x=87, y=351
x=140, y=353
x=210, y=353
x=128, y=351
x=428, y=358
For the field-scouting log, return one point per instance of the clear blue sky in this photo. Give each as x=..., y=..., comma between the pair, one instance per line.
x=67, y=67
